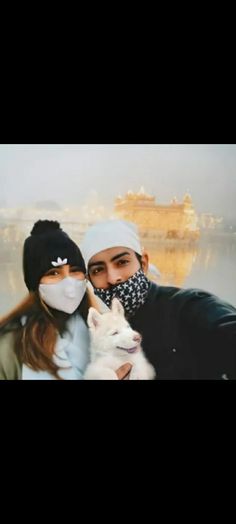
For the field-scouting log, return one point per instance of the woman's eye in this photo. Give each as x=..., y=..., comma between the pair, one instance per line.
x=75, y=270
x=114, y=333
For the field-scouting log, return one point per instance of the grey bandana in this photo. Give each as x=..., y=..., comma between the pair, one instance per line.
x=132, y=293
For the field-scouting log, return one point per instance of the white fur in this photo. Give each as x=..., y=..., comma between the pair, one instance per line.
x=109, y=333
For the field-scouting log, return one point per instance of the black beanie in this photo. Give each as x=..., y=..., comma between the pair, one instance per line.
x=46, y=243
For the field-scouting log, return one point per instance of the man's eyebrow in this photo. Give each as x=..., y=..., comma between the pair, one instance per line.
x=98, y=263
x=119, y=255
x=101, y=262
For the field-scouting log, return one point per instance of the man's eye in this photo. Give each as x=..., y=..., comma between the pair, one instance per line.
x=96, y=270
x=114, y=333
x=123, y=262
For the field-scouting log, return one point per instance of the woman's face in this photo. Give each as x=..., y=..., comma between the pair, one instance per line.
x=60, y=292
x=57, y=274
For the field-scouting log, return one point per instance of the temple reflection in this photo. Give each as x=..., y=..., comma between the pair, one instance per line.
x=175, y=263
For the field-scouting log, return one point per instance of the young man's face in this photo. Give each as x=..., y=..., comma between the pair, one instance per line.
x=113, y=266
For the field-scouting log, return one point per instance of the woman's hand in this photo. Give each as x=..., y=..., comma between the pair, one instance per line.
x=123, y=371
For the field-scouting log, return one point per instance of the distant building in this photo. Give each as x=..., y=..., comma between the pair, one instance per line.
x=171, y=221
x=49, y=205
x=210, y=221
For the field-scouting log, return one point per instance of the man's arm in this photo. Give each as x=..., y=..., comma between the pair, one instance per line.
x=208, y=326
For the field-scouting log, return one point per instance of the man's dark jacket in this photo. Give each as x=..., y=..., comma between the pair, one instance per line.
x=187, y=334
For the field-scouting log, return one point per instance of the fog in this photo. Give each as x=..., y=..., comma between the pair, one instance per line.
x=69, y=174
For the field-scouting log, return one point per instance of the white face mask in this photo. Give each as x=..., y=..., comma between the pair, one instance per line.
x=65, y=295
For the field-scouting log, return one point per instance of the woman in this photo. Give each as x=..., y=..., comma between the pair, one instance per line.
x=46, y=336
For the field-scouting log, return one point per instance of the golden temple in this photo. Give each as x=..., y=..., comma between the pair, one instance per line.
x=157, y=221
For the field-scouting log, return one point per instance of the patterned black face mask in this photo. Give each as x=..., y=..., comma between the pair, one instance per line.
x=132, y=293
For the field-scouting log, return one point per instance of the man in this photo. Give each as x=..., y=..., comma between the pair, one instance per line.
x=187, y=333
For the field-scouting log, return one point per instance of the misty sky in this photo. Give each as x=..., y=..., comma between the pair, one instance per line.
x=68, y=174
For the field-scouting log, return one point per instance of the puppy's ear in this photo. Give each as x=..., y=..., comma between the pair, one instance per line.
x=117, y=307
x=93, y=318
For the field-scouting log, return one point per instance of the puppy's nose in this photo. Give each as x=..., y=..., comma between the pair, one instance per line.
x=137, y=337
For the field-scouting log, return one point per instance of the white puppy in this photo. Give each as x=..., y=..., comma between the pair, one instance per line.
x=114, y=342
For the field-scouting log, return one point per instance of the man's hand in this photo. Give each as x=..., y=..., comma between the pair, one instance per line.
x=123, y=371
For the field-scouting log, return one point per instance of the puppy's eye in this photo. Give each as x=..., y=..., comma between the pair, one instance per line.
x=114, y=333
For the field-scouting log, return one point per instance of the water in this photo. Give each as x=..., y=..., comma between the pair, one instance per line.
x=210, y=265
